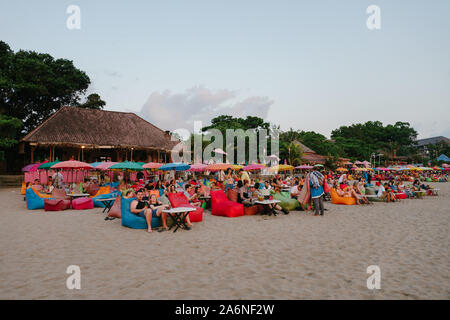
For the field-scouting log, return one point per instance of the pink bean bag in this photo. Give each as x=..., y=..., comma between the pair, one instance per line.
x=82, y=203
x=56, y=204
x=115, y=211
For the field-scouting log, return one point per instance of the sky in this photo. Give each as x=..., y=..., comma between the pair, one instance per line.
x=307, y=65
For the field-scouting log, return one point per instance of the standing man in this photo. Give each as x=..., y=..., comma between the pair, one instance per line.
x=316, y=180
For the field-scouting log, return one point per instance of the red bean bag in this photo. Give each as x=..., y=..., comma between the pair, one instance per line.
x=82, y=203
x=180, y=200
x=400, y=196
x=221, y=206
x=232, y=195
x=56, y=205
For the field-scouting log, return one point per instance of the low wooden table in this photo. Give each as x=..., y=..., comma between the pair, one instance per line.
x=109, y=202
x=268, y=206
x=178, y=215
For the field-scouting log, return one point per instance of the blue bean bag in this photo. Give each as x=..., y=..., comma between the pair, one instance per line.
x=33, y=200
x=133, y=221
x=104, y=196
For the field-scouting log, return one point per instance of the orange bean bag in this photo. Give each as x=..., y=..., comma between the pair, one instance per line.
x=102, y=190
x=41, y=194
x=24, y=188
x=336, y=199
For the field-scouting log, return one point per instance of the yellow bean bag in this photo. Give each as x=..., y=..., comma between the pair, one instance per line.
x=336, y=199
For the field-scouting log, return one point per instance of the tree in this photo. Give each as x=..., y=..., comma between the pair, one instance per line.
x=93, y=101
x=34, y=85
x=9, y=128
x=360, y=141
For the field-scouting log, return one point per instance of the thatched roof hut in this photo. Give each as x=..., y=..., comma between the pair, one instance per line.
x=89, y=129
x=310, y=155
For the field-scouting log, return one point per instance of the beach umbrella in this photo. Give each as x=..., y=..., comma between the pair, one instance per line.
x=219, y=151
x=95, y=164
x=152, y=165
x=358, y=162
x=198, y=167
x=304, y=166
x=281, y=167
x=47, y=165
x=105, y=165
x=28, y=167
x=318, y=165
x=218, y=166
x=341, y=170
x=274, y=157
x=237, y=166
x=255, y=166
x=127, y=165
x=175, y=166
x=71, y=164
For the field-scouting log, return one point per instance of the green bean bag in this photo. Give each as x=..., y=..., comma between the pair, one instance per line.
x=286, y=201
x=428, y=180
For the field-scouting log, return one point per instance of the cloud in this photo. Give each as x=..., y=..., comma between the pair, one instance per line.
x=171, y=111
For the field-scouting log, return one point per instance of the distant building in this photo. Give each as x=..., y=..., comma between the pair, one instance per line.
x=95, y=135
x=422, y=143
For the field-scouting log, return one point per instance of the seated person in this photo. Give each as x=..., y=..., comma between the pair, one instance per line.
x=142, y=208
x=255, y=194
x=49, y=186
x=191, y=196
x=384, y=193
x=295, y=190
x=347, y=192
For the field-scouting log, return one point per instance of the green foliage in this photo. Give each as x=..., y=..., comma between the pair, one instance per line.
x=93, y=101
x=9, y=128
x=359, y=141
x=34, y=85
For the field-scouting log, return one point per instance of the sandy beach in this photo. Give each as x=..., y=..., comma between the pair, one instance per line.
x=297, y=256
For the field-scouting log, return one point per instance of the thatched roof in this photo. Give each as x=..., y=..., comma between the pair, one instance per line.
x=97, y=128
x=303, y=147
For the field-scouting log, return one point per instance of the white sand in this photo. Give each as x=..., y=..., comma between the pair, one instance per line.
x=285, y=257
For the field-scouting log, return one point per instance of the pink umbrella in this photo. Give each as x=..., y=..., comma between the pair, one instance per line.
x=72, y=164
x=198, y=167
x=34, y=168
x=304, y=166
x=358, y=162
x=152, y=165
x=255, y=166
x=105, y=165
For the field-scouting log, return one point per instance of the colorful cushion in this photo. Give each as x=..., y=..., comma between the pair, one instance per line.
x=133, y=221
x=221, y=206
x=56, y=204
x=180, y=200
x=82, y=204
x=336, y=199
